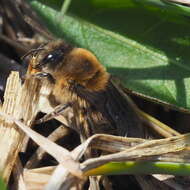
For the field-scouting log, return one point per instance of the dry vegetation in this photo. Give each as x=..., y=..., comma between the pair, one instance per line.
x=26, y=165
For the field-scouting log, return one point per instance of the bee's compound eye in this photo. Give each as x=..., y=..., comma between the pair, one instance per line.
x=49, y=58
x=53, y=58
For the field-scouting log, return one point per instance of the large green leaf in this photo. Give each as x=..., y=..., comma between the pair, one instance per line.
x=147, y=49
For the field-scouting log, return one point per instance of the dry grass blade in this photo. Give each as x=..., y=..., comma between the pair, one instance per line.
x=60, y=132
x=41, y=176
x=62, y=155
x=21, y=102
x=11, y=138
x=152, y=122
x=112, y=144
x=18, y=176
x=168, y=179
x=59, y=179
x=62, y=179
x=156, y=125
x=35, y=180
x=148, y=148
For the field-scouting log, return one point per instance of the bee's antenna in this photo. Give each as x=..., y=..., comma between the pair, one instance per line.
x=32, y=51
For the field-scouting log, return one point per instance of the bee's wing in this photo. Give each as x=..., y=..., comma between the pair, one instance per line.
x=115, y=108
x=122, y=112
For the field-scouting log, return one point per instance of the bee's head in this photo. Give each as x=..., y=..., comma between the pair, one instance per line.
x=50, y=56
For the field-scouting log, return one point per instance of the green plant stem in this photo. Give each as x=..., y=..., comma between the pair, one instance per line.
x=65, y=6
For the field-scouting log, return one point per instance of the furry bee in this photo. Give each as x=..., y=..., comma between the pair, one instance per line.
x=79, y=81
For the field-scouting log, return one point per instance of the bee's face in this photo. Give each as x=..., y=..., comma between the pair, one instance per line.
x=51, y=56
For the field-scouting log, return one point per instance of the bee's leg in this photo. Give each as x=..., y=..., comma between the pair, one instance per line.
x=57, y=111
x=42, y=75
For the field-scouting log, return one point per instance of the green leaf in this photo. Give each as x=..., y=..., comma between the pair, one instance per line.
x=140, y=167
x=147, y=50
x=2, y=185
x=165, y=6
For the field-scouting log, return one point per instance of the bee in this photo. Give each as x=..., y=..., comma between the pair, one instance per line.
x=81, y=82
